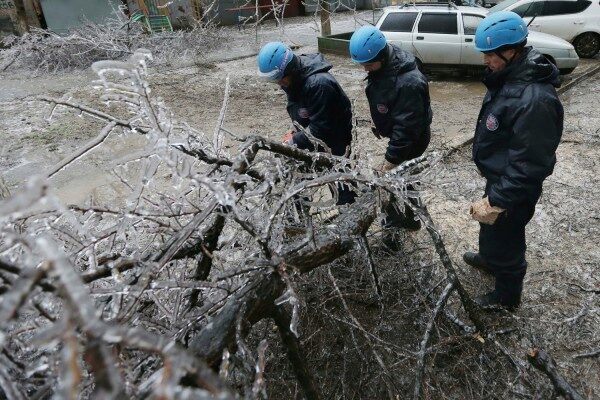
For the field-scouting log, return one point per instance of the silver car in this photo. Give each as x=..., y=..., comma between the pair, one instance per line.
x=443, y=34
x=576, y=21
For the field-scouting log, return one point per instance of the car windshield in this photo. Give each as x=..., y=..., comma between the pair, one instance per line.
x=381, y=17
x=502, y=5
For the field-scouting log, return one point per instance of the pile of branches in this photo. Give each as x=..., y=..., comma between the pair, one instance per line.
x=161, y=294
x=116, y=38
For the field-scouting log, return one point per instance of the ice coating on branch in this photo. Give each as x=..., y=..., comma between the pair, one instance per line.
x=289, y=296
x=170, y=175
x=137, y=59
x=35, y=190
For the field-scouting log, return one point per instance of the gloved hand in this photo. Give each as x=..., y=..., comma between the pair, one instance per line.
x=288, y=137
x=375, y=132
x=482, y=211
x=387, y=166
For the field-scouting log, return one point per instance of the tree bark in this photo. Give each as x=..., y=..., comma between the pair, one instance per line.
x=295, y=354
x=21, y=17
x=256, y=299
x=543, y=362
x=325, y=17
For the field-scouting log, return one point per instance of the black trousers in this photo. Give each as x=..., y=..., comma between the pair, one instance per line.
x=502, y=245
x=393, y=217
x=345, y=193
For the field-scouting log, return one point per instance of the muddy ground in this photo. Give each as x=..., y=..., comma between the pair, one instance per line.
x=563, y=251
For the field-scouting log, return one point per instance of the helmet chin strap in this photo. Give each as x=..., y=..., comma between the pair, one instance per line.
x=506, y=60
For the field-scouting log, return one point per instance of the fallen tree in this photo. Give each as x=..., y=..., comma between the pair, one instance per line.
x=162, y=294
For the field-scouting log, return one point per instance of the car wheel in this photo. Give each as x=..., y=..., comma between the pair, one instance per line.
x=587, y=44
x=549, y=58
x=420, y=65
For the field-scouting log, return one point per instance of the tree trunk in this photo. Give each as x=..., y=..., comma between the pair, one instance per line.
x=21, y=17
x=296, y=355
x=325, y=17
x=198, y=10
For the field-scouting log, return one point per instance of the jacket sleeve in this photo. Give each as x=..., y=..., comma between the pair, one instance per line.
x=321, y=99
x=531, y=153
x=408, y=114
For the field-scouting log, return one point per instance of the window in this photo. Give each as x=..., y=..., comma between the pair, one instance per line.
x=399, y=22
x=502, y=5
x=470, y=23
x=565, y=7
x=438, y=23
x=529, y=9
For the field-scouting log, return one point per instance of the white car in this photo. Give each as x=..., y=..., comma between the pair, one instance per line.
x=576, y=21
x=442, y=34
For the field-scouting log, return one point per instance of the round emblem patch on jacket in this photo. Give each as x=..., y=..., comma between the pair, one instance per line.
x=303, y=113
x=382, y=108
x=491, y=122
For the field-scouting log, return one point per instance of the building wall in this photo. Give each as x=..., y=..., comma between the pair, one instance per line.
x=334, y=5
x=183, y=12
x=221, y=16
x=62, y=15
x=180, y=12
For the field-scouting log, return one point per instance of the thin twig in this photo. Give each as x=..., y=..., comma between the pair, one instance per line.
x=389, y=383
x=439, y=306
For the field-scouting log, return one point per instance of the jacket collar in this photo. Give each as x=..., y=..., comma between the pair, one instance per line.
x=529, y=67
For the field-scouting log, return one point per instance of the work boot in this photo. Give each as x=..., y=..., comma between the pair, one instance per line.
x=395, y=219
x=391, y=240
x=492, y=301
x=476, y=261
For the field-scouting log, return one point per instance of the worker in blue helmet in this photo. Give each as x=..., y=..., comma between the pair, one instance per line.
x=518, y=130
x=398, y=95
x=315, y=101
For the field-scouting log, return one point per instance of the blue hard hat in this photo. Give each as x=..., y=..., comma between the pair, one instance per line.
x=366, y=43
x=272, y=60
x=500, y=29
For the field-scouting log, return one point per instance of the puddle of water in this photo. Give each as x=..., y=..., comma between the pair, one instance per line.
x=99, y=185
x=89, y=176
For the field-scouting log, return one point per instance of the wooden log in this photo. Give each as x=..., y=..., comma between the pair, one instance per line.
x=256, y=300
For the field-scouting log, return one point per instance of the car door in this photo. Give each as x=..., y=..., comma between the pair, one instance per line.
x=563, y=18
x=529, y=9
x=556, y=17
x=397, y=28
x=436, y=39
x=468, y=54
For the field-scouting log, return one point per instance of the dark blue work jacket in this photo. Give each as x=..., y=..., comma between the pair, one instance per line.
x=317, y=101
x=398, y=95
x=518, y=130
